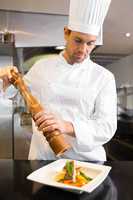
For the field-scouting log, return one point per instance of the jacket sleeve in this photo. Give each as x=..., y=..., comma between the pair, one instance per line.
x=100, y=128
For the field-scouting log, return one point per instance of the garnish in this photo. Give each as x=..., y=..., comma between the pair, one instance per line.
x=73, y=175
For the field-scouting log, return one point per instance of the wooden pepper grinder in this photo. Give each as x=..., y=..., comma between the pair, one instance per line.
x=56, y=139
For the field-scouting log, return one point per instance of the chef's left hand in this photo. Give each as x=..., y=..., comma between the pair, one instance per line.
x=5, y=75
x=48, y=122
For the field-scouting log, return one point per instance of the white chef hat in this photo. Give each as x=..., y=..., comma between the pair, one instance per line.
x=87, y=16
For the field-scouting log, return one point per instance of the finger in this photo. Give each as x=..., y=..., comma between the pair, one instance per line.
x=15, y=68
x=42, y=119
x=12, y=67
x=39, y=114
x=50, y=128
x=39, y=120
x=47, y=123
x=9, y=74
x=9, y=71
x=5, y=82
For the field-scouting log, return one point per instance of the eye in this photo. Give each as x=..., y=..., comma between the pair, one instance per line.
x=77, y=40
x=91, y=43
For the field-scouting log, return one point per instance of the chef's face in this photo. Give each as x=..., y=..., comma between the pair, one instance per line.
x=78, y=45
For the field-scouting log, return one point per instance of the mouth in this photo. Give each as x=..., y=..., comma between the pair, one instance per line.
x=79, y=55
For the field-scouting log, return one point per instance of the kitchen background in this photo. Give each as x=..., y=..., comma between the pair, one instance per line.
x=30, y=30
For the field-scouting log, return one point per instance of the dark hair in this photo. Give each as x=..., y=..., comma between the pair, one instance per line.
x=69, y=31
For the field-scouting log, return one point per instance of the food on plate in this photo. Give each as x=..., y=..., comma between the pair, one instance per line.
x=73, y=175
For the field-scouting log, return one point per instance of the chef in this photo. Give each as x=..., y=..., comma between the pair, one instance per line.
x=79, y=96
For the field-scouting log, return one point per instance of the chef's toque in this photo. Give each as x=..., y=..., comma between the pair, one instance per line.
x=87, y=16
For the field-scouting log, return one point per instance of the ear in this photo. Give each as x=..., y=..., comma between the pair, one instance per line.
x=66, y=32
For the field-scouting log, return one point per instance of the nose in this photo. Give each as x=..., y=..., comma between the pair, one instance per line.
x=83, y=47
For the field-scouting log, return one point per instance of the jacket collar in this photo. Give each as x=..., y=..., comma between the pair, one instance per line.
x=76, y=65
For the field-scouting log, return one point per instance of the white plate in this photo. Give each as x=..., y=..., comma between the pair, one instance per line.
x=46, y=175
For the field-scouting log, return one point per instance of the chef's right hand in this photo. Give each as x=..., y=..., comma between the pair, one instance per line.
x=49, y=122
x=5, y=75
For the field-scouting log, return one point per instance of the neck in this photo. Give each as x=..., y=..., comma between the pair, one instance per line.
x=65, y=55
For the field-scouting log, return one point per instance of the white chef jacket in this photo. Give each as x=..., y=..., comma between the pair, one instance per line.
x=82, y=93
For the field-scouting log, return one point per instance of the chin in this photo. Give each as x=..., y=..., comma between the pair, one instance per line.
x=79, y=60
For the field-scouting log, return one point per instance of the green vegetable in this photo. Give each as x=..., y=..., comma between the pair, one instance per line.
x=70, y=168
x=86, y=177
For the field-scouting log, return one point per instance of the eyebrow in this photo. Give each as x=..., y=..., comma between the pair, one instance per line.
x=92, y=41
x=77, y=37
